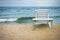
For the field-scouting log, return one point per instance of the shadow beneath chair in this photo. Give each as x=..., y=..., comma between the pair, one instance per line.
x=42, y=26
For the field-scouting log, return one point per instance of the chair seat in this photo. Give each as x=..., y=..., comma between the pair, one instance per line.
x=42, y=19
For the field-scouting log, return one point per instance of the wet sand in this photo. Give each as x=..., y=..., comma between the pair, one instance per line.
x=25, y=32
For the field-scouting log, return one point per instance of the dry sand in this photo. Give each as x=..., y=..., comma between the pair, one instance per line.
x=25, y=32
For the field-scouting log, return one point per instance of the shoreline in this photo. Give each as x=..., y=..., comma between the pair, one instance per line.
x=20, y=23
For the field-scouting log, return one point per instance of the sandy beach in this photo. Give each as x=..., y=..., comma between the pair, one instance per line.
x=25, y=32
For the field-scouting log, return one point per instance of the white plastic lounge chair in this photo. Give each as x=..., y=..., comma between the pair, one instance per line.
x=42, y=17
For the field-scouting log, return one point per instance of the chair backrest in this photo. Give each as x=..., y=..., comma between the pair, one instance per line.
x=42, y=13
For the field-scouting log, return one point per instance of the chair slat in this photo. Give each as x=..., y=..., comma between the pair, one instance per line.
x=41, y=13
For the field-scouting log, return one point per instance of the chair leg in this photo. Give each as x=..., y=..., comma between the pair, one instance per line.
x=50, y=24
x=34, y=27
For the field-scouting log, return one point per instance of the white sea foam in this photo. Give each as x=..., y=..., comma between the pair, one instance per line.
x=9, y=19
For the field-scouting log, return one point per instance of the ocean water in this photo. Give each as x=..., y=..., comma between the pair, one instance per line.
x=19, y=12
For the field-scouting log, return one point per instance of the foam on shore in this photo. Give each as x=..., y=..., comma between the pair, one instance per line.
x=9, y=19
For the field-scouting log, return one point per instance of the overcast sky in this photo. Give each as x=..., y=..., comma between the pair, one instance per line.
x=30, y=3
